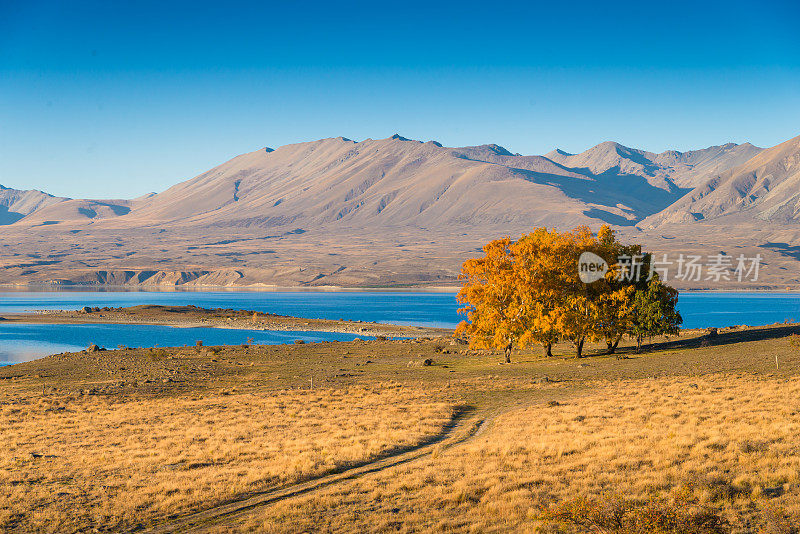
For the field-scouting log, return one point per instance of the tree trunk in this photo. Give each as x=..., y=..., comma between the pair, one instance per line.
x=612, y=346
x=508, y=352
x=638, y=344
x=548, y=350
x=579, y=348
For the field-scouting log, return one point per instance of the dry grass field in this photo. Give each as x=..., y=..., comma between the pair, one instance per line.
x=715, y=451
x=692, y=435
x=68, y=463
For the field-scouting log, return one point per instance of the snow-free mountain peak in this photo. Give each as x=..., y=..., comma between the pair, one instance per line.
x=766, y=187
x=393, y=211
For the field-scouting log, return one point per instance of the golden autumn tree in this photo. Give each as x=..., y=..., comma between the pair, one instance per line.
x=529, y=291
x=523, y=293
x=490, y=289
x=576, y=317
x=537, y=270
x=558, y=303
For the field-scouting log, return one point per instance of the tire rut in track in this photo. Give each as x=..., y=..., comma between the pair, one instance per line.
x=459, y=430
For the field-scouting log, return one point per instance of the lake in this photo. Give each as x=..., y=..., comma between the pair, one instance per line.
x=19, y=342
x=25, y=342
x=419, y=308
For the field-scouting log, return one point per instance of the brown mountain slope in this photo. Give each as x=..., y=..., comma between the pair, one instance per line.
x=385, y=212
x=79, y=211
x=16, y=204
x=766, y=188
x=668, y=170
x=690, y=169
x=397, y=182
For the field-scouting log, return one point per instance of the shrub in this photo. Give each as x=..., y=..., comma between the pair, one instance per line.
x=613, y=513
x=776, y=520
x=158, y=354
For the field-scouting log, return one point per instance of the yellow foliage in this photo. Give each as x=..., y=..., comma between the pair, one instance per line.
x=529, y=291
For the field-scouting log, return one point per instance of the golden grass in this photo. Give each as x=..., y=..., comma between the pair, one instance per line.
x=731, y=442
x=73, y=463
x=159, y=438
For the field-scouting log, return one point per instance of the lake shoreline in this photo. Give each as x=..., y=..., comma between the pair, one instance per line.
x=255, y=288
x=194, y=317
x=259, y=288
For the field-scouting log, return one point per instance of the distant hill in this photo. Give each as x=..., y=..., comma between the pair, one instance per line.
x=765, y=188
x=395, y=211
x=396, y=181
x=667, y=170
x=16, y=205
x=78, y=211
x=33, y=208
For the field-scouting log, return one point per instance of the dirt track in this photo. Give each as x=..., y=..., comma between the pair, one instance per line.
x=463, y=427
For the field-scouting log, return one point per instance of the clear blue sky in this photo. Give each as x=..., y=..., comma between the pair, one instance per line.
x=116, y=99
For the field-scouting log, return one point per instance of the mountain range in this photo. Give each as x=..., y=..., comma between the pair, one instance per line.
x=394, y=212
x=766, y=187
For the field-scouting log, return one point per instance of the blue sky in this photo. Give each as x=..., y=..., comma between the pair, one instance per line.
x=116, y=99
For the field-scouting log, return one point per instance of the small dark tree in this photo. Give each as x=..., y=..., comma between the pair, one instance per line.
x=654, y=311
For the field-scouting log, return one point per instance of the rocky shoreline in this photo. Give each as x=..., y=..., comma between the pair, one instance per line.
x=193, y=317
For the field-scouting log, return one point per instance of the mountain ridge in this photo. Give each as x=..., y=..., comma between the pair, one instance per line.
x=609, y=182
x=16, y=204
x=766, y=187
x=378, y=213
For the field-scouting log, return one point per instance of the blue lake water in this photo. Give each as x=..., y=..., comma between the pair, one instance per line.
x=419, y=308
x=24, y=342
x=19, y=342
